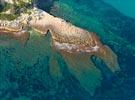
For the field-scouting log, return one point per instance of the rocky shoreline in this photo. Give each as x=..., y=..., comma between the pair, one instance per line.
x=66, y=37
x=75, y=45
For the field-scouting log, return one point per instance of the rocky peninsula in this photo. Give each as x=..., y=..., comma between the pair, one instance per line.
x=71, y=41
x=66, y=37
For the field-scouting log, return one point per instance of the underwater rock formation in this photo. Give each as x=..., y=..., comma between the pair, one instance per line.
x=67, y=37
x=74, y=44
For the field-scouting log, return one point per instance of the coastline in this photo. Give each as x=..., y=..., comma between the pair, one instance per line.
x=65, y=36
x=73, y=43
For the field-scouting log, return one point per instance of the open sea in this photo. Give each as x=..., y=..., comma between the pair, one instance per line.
x=124, y=6
x=36, y=71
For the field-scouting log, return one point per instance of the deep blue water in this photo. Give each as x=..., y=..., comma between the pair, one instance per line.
x=38, y=72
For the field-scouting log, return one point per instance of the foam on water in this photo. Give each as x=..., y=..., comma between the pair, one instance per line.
x=75, y=48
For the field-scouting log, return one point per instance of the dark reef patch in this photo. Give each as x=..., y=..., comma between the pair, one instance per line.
x=45, y=4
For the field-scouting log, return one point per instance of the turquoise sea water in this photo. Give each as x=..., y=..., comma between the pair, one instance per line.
x=36, y=71
x=126, y=7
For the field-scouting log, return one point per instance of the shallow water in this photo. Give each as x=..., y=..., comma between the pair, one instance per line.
x=37, y=71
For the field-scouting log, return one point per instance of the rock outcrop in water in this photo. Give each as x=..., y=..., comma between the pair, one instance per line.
x=76, y=45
